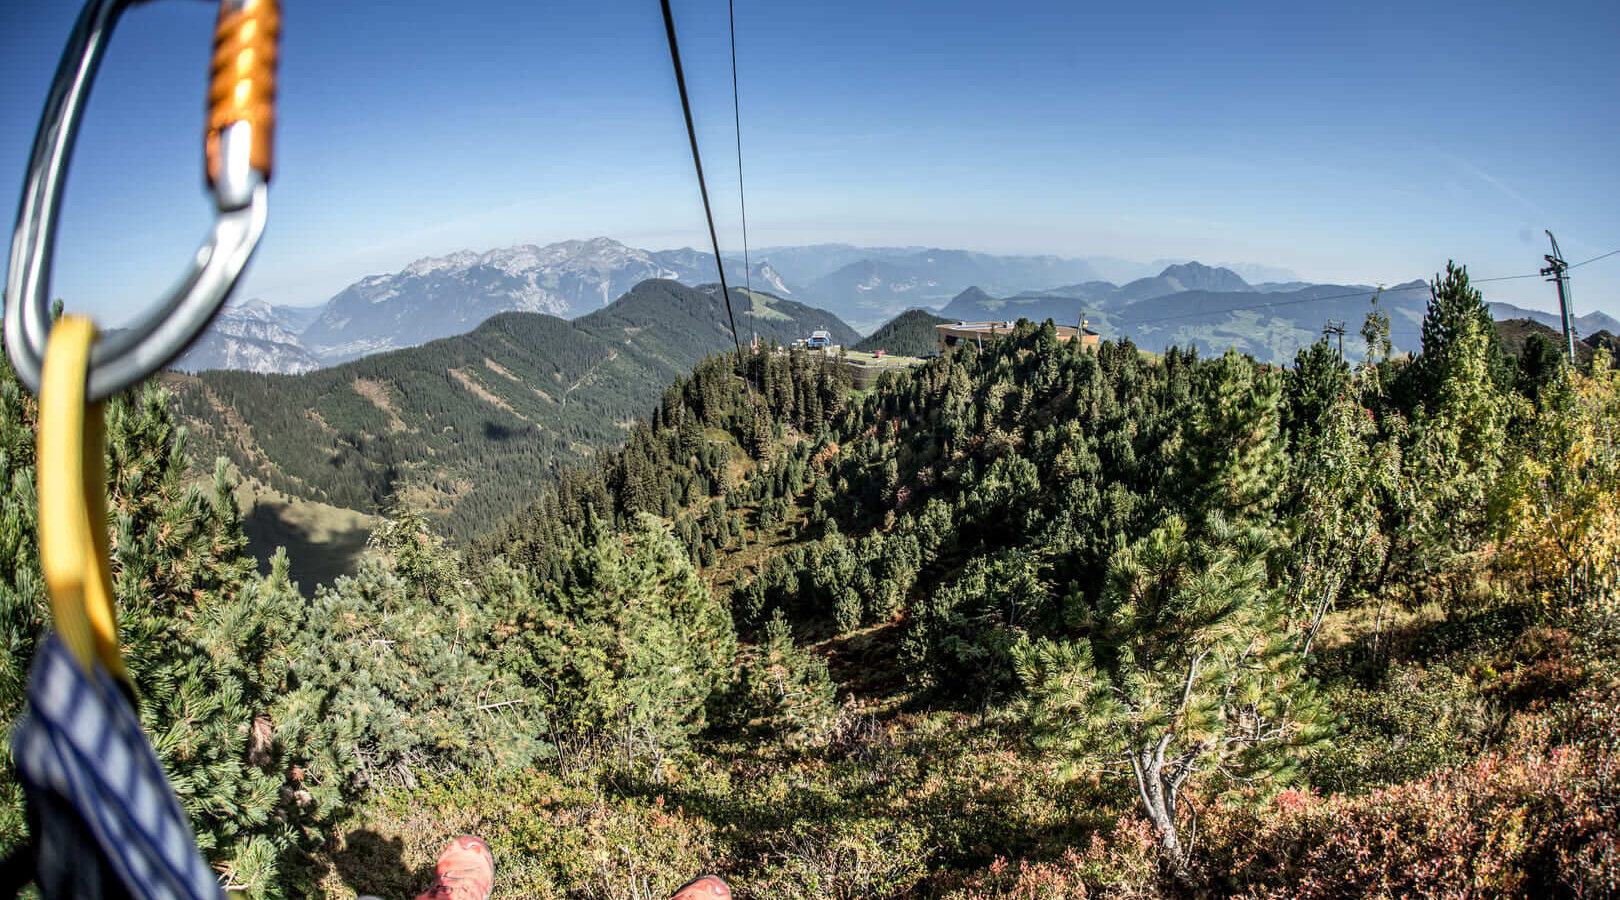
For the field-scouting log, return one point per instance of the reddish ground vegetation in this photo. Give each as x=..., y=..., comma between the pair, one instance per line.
x=1539, y=817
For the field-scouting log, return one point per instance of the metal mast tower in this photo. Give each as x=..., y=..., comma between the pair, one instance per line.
x=1558, y=269
x=1335, y=327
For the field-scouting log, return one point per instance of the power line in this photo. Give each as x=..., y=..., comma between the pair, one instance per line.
x=742, y=198
x=697, y=163
x=1595, y=259
x=1253, y=306
x=1502, y=278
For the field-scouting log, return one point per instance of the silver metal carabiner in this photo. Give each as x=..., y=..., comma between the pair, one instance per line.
x=238, y=161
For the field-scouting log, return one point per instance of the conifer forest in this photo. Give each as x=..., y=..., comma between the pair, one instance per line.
x=1036, y=619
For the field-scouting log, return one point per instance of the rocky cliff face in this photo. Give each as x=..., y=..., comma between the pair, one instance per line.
x=443, y=296
x=254, y=337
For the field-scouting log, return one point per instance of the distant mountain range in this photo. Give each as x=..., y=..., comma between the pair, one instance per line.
x=874, y=289
x=437, y=297
x=443, y=296
x=1270, y=325
x=463, y=427
x=1214, y=309
x=1065, y=303
x=440, y=297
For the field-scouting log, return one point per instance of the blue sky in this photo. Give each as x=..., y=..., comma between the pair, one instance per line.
x=1365, y=142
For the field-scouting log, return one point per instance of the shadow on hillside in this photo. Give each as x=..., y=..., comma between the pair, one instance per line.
x=495, y=431
x=1484, y=630
x=315, y=555
x=890, y=775
x=372, y=864
x=866, y=663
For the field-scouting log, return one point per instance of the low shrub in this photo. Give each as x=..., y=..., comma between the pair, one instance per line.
x=1119, y=864
x=1416, y=721
x=1539, y=817
x=844, y=860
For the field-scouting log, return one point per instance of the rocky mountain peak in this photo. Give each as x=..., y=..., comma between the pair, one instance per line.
x=972, y=295
x=427, y=265
x=1195, y=276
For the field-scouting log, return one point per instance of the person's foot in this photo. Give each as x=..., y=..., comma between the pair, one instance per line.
x=466, y=871
x=709, y=887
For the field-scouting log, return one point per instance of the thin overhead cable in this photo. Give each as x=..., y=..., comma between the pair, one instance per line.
x=742, y=198
x=697, y=163
x=1255, y=306
x=1595, y=259
x=1504, y=278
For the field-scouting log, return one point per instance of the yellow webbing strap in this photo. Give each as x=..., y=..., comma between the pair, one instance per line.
x=73, y=547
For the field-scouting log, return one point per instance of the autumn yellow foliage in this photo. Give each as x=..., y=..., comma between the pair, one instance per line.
x=1557, y=505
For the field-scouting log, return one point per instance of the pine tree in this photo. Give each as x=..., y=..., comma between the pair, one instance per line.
x=1334, y=523
x=178, y=565
x=1374, y=371
x=1375, y=334
x=961, y=634
x=1186, y=674
x=1234, y=461
x=1454, y=458
x=782, y=691
x=632, y=641
x=23, y=609
x=1318, y=377
x=1456, y=309
x=396, y=673
x=1539, y=366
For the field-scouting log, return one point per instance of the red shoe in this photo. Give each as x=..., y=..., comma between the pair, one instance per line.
x=466, y=871
x=709, y=887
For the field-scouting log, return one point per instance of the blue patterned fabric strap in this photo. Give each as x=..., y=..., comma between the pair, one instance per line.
x=78, y=739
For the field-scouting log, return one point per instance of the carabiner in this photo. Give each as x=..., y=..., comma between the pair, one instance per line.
x=237, y=151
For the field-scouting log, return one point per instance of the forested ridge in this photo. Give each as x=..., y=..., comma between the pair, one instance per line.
x=909, y=334
x=463, y=429
x=1036, y=620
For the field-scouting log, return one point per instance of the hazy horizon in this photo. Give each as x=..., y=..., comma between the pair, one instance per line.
x=1144, y=268
x=1365, y=145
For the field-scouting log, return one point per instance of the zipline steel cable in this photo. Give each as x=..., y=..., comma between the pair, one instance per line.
x=742, y=196
x=697, y=163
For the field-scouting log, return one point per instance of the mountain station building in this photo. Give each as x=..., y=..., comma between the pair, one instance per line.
x=981, y=333
x=820, y=339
